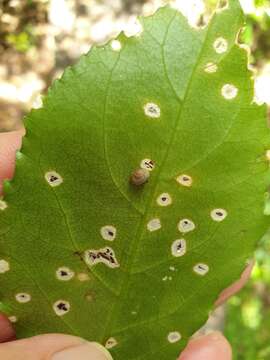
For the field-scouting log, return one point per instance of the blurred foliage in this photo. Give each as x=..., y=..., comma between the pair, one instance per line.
x=17, y=23
x=21, y=41
x=248, y=315
x=257, y=32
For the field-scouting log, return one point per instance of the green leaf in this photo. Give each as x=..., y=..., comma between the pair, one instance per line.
x=183, y=98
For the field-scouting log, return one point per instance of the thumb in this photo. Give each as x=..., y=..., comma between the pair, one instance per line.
x=84, y=351
x=209, y=347
x=53, y=347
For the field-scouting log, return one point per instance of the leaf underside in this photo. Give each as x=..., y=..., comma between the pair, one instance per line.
x=93, y=131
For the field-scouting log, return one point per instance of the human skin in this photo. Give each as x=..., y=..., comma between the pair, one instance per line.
x=65, y=347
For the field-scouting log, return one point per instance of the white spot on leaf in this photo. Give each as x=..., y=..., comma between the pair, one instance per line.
x=174, y=337
x=154, y=225
x=186, y=225
x=267, y=155
x=23, y=297
x=201, y=269
x=210, y=68
x=184, y=180
x=19, y=155
x=4, y=266
x=229, y=91
x=53, y=178
x=64, y=273
x=147, y=164
x=220, y=45
x=165, y=278
x=13, y=319
x=116, y=45
x=152, y=110
x=164, y=199
x=89, y=297
x=105, y=255
x=83, y=277
x=3, y=205
x=61, y=307
x=179, y=248
x=108, y=232
x=110, y=343
x=218, y=214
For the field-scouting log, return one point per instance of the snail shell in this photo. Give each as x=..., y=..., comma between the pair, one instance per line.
x=139, y=177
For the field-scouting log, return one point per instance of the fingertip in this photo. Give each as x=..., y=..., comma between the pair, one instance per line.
x=236, y=286
x=211, y=347
x=7, y=333
x=84, y=351
x=54, y=347
x=9, y=143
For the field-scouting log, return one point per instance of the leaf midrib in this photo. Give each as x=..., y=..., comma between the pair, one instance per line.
x=139, y=235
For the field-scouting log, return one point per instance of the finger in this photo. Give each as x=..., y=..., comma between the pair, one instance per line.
x=237, y=286
x=9, y=143
x=53, y=347
x=7, y=332
x=210, y=347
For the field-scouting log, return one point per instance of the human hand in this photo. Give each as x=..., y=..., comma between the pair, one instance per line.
x=65, y=347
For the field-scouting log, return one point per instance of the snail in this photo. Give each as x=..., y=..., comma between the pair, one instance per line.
x=139, y=177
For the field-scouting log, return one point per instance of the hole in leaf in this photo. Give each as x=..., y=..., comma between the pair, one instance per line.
x=110, y=343
x=186, y=225
x=178, y=248
x=147, y=164
x=61, y=307
x=105, y=255
x=164, y=199
x=53, y=178
x=201, y=269
x=23, y=297
x=64, y=273
x=108, y=232
x=218, y=214
x=184, y=180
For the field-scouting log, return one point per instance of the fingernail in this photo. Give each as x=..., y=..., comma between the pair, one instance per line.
x=211, y=347
x=85, y=351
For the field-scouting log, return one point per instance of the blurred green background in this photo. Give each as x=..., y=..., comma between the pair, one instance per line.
x=39, y=38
